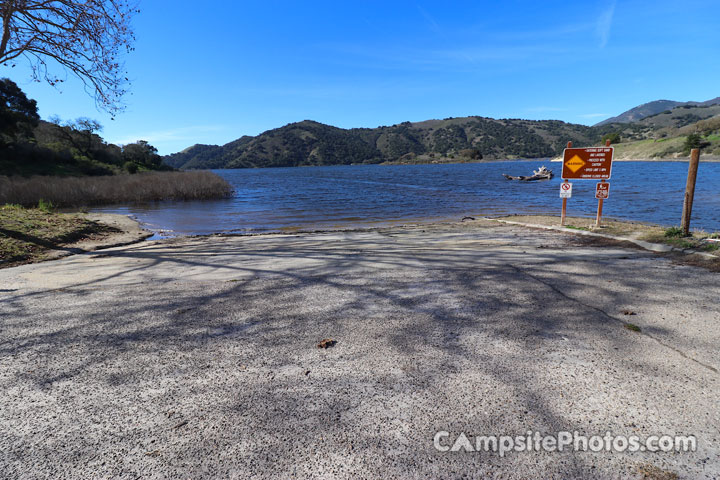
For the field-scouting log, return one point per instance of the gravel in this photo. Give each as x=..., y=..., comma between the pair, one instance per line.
x=198, y=357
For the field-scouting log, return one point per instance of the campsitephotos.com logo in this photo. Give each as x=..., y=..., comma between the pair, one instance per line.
x=560, y=442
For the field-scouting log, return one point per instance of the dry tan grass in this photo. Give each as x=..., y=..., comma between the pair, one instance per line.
x=87, y=191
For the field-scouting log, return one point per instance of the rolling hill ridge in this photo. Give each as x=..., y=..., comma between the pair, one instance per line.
x=653, y=108
x=313, y=143
x=474, y=138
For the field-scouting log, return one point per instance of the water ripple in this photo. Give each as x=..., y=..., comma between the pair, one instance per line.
x=280, y=199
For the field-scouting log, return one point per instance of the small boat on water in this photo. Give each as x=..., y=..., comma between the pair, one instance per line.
x=541, y=173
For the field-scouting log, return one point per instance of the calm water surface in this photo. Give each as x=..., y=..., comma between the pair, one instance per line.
x=281, y=199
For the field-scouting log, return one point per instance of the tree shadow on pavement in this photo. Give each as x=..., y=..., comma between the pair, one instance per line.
x=493, y=339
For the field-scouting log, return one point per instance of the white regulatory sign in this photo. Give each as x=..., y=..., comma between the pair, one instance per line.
x=566, y=190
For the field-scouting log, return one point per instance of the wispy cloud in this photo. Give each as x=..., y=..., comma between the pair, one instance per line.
x=431, y=21
x=561, y=33
x=604, y=24
x=170, y=135
x=594, y=115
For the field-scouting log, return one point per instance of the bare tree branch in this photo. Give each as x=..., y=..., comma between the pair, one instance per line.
x=85, y=37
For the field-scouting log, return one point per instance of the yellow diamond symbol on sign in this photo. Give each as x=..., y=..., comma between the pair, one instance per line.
x=575, y=163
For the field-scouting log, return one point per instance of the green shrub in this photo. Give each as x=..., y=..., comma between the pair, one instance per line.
x=45, y=206
x=472, y=153
x=694, y=140
x=613, y=137
x=130, y=167
x=674, y=232
x=12, y=206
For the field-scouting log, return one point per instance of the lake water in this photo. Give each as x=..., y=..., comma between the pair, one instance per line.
x=287, y=199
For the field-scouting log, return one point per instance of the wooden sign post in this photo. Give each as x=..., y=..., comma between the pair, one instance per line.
x=564, y=205
x=593, y=163
x=601, y=193
x=690, y=190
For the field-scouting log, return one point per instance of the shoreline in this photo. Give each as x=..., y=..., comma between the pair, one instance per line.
x=646, y=235
x=703, y=158
x=125, y=230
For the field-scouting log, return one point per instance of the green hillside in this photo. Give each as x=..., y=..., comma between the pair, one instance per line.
x=680, y=116
x=452, y=139
x=653, y=108
x=660, y=135
x=30, y=146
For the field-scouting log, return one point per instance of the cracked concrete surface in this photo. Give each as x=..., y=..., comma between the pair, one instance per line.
x=197, y=358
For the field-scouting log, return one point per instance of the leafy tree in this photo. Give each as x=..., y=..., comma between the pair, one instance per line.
x=80, y=134
x=141, y=153
x=18, y=114
x=452, y=137
x=614, y=138
x=472, y=153
x=30, y=146
x=694, y=140
x=85, y=37
x=87, y=130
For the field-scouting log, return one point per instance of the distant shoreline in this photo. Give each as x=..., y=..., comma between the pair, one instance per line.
x=703, y=158
x=708, y=158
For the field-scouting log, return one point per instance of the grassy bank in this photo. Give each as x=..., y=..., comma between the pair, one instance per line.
x=29, y=234
x=671, y=148
x=698, y=240
x=87, y=191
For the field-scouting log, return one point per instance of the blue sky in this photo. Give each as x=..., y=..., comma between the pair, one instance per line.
x=210, y=72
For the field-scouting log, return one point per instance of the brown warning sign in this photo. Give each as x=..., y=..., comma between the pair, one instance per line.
x=593, y=163
x=602, y=190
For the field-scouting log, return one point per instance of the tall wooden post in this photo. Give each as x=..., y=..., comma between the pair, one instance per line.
x=599, y=210
x=564, y=200
x=600, y=200
x=690, y=190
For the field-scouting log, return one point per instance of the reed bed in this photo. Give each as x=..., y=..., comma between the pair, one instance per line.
x=88, y=191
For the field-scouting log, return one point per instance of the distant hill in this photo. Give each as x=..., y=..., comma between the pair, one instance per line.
x=197, y=156
x=679, y=121
x=653, y=108
x=681, y=116
x=452, y=139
